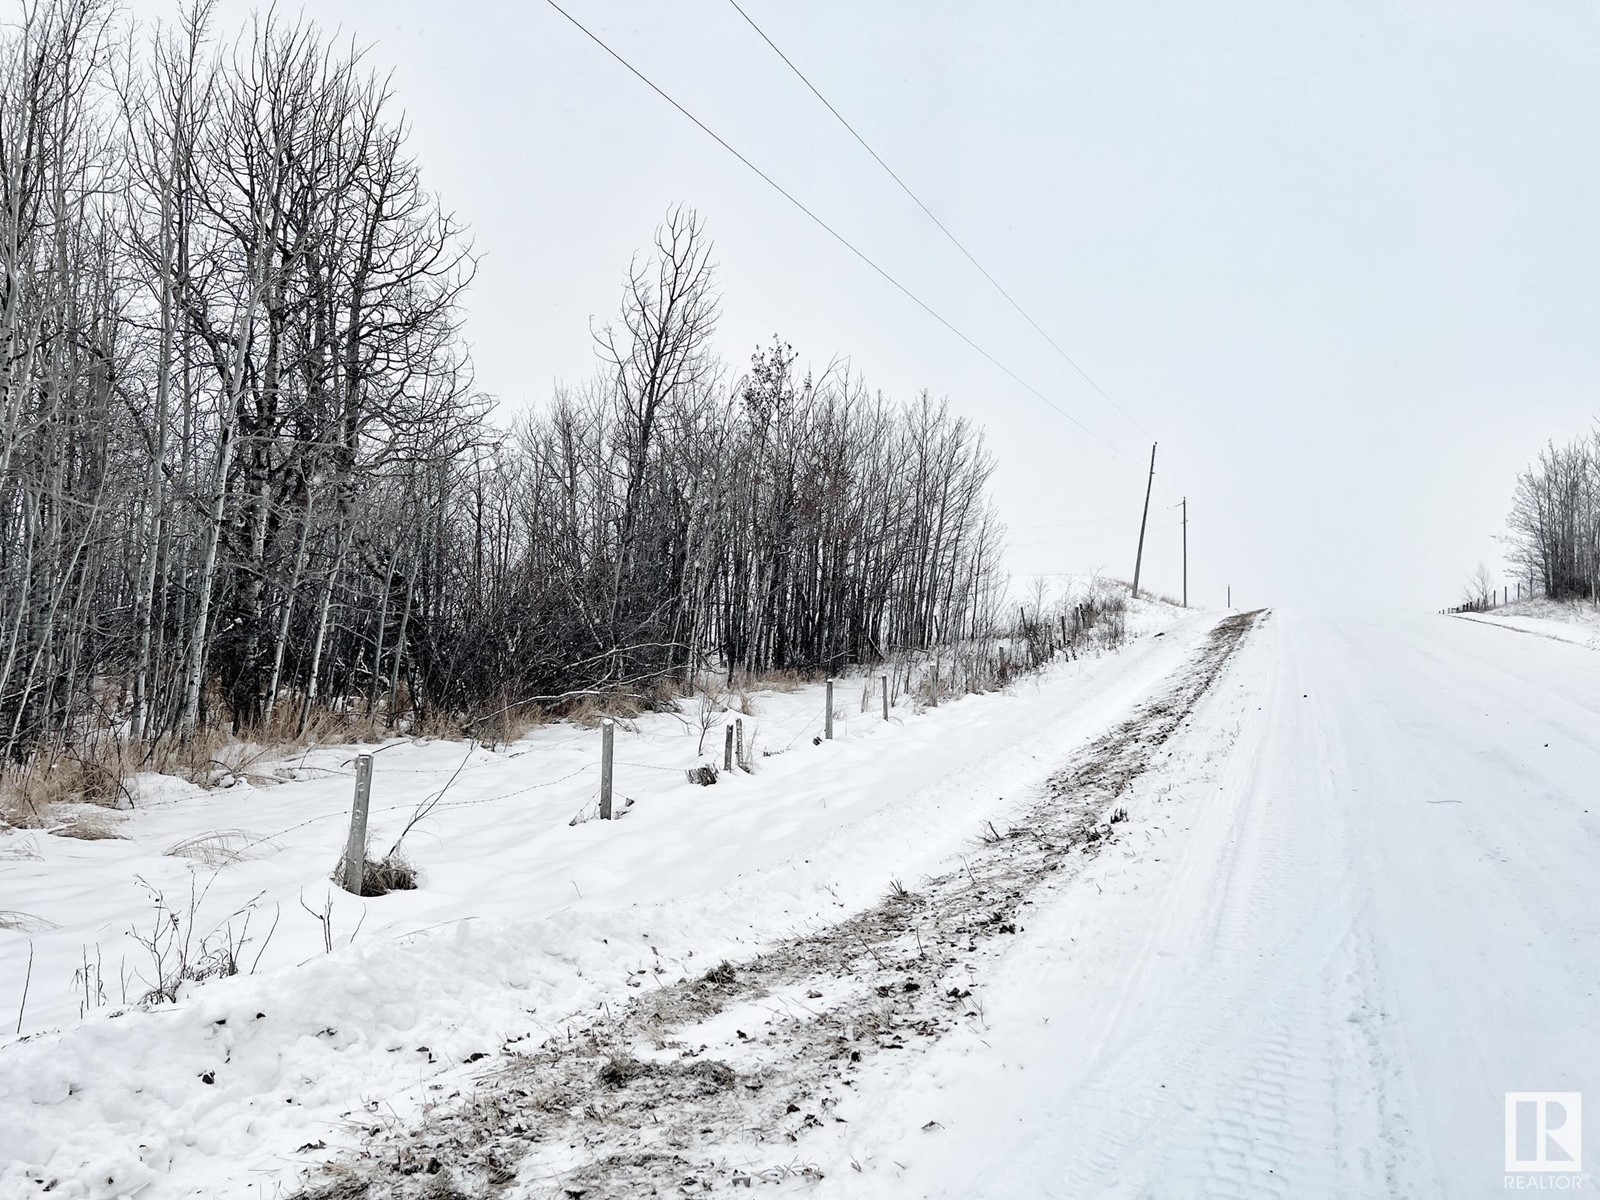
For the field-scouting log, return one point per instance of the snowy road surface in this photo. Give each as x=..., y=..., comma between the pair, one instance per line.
x=1365, y=912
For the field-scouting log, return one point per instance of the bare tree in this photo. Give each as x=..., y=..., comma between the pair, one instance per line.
x=1479, y=589
x=245, y=478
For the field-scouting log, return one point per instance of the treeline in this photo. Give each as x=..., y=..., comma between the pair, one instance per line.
x=663, y=520
x=245, y=478
x=1553, y=538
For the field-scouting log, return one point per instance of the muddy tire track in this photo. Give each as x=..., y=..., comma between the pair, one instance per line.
x=637, y=1101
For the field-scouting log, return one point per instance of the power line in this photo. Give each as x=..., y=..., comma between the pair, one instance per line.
x=1085, y=521
x=1106, y=537
x=835, y=234
x=928, y=212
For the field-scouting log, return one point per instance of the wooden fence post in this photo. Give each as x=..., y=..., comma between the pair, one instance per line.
x=885, y=697
x=827, y=719
x=727, y=751
x=355, y=847
x=738, y=737
x=607, y=736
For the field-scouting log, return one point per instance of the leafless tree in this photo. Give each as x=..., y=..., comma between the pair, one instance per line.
x=1553, y=534
x=245, y=478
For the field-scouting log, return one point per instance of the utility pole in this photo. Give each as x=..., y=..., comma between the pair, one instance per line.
x=1186, y=552
x=1138, y=560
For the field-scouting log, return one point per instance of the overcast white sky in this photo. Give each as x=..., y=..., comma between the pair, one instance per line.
x=1340, y=259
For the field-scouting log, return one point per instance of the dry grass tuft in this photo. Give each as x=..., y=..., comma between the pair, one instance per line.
x=220, y=848
x=619, y=1069
x=393, y=873
x=21, y=922
x=94, y=777
x=23, y=849
x=97, y=771
x=15, y=812
x=785, y=680
x=346, y=1185
x=704, y=1077
x=90, y=827
x=589, y=711
x=200, y=760
x=499, y=728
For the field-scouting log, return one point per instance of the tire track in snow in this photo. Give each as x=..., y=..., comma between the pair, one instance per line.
x=1283, y=1011
x=1221, y=1027
x=1252, y=1123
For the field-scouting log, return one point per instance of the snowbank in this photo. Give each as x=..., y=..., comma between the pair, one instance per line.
x=1575, y=621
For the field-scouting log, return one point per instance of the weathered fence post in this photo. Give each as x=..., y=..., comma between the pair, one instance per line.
x=738, y=737
x=827, y=720
x=355, y=847
x=885, y=697
x=607, y=736
x=934, y=690
x=727, y=751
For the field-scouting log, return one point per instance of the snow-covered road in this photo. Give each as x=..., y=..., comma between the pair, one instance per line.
x=1356, y=909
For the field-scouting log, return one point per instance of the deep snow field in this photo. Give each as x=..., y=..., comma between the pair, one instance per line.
x=522, y=918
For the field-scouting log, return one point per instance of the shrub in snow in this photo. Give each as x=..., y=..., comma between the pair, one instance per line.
x=392, y=873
